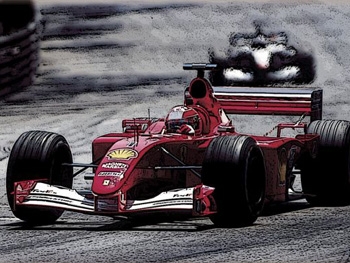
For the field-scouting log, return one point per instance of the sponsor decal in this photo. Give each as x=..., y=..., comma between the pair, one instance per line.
x=172, y=202
x=118, y=174
x=119, y=169
x=115, y=165
x=44, y=191
x=106, y=182
x=122, y=154
x=182, y=195
x=50, y=198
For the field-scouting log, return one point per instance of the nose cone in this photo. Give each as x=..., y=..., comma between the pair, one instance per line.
x=262, y=58
x=113, y=170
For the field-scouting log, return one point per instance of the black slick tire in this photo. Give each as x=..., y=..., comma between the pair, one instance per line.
x=326, y=178
x=234, y=165
x=38, y=155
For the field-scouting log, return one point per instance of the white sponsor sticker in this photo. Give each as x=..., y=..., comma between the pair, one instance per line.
x=118, y=174
x=115, y=165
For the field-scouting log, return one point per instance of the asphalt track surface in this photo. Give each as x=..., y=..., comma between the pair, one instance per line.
x=104, y=62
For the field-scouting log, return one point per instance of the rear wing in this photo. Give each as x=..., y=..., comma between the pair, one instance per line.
x=271, y=101
x=259, y=100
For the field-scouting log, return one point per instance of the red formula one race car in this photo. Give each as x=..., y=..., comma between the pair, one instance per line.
x=193, y=162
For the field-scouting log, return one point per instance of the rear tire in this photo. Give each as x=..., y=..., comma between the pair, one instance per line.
x=326, y=178
x=38, y=155
x=234, y=165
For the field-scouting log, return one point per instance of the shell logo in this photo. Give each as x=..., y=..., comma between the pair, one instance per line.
x=122, y=154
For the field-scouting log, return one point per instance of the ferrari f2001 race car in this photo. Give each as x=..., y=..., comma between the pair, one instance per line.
x=193, y=162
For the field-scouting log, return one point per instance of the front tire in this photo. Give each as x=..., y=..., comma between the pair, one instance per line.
x=234, y=165
x=38, y=155
x=326, y=178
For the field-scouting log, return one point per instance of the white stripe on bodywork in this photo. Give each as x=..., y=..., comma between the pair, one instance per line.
x=174, y=199
x=58, y=197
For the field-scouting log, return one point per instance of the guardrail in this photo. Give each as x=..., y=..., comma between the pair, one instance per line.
x=20, y=35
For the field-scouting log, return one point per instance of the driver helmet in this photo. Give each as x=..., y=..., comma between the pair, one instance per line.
x=181, y=115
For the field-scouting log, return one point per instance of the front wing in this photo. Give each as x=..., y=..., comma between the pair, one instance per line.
x=196, y=200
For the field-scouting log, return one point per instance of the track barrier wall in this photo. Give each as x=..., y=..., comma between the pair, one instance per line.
x=20, y=33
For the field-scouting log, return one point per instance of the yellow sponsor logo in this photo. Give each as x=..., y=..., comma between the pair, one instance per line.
x=122, y=154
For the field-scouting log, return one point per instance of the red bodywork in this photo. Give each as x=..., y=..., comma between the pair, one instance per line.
x=144, y=160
